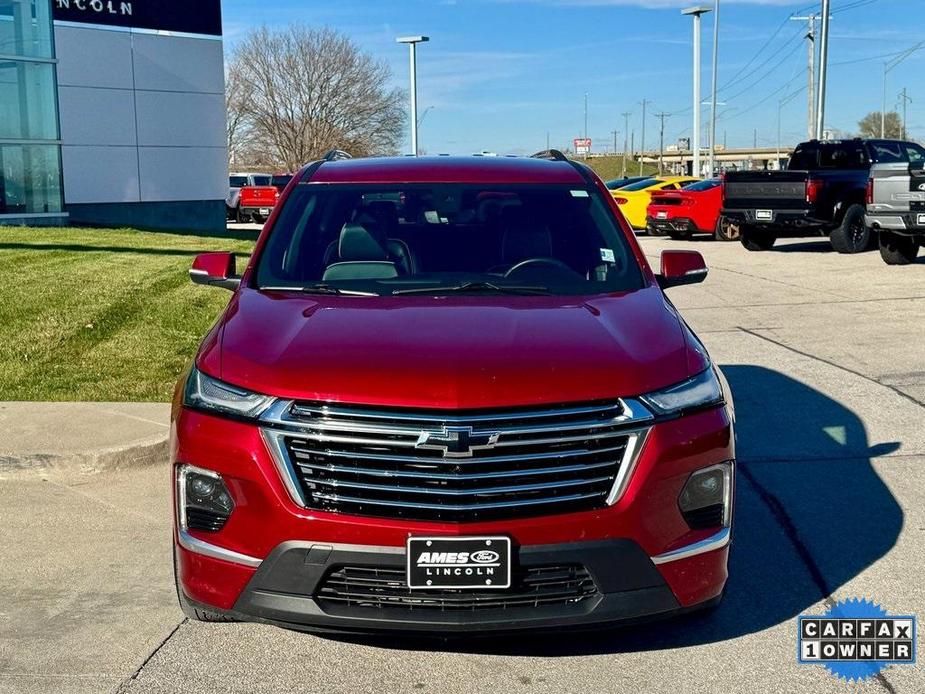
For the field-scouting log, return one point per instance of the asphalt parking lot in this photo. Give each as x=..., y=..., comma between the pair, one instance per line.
x=825, y=357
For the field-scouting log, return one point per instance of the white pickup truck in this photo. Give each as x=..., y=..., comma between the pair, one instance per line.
x=896, y=208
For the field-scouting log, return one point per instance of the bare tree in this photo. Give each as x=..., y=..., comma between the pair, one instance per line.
x=870, y=125
x=237, y=125
x=312, y=90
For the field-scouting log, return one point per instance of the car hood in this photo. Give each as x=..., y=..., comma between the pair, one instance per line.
x=452, y=352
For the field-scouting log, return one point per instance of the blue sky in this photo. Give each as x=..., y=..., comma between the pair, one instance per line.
x=498, y=74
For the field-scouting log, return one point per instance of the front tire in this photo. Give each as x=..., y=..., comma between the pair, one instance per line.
x=898, y=250
x=852, y=235
x=755, y=240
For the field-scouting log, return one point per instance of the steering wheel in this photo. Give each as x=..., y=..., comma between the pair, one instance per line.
x=551, y=262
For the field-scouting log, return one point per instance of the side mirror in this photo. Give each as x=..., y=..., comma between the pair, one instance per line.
x=215, y=270
x=680, y=268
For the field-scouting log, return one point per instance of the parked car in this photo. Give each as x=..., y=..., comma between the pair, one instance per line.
x=251, y=197
x=280, y=181
x=424, y=412
x=695, y=209
x=822, y=192
x=618, y=183
x=634, y=198
x=896, y=205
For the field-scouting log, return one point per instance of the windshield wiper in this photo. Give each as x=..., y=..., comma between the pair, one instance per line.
x=319, y=289
x=474, y=287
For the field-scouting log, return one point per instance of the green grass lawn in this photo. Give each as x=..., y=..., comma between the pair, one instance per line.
x=99, y=314
x=610, y=167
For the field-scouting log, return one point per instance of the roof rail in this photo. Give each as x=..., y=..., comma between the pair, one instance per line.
x=550, y=155
x=336, y=155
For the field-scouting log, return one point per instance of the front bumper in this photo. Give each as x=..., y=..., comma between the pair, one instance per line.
x=287, y=590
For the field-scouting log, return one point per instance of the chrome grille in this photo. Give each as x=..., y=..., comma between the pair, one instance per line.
x=462, y=467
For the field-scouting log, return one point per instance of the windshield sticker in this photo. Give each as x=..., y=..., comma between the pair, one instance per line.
x=579, y=194
x=608, y=256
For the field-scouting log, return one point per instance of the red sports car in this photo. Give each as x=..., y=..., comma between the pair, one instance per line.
x=695, y=209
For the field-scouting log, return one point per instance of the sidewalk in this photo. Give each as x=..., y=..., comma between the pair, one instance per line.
x=81, y=436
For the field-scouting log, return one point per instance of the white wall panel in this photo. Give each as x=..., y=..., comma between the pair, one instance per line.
x=180, y=119
x=100, y=174
x=94, y=57
x=92, y=116
x=176, y=63
x=183, y=173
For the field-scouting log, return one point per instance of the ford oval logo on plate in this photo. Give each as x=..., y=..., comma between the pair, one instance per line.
x=485, y=557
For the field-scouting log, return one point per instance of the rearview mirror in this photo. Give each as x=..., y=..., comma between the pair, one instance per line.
x=215, y=270
x=681, y=267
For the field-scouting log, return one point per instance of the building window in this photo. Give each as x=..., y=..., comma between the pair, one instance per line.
x=30, y=155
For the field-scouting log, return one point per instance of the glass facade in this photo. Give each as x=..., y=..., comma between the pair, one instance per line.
x=30, y=156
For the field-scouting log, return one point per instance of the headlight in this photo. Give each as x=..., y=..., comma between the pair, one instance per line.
x=702, y=390
x=206, y=393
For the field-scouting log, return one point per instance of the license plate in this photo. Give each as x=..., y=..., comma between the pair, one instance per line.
x=661, y=215
x=459, y=562
x=764, y=215
x=264, y=210
x=920, y=220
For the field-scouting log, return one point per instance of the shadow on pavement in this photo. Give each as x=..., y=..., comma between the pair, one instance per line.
x=811, y=514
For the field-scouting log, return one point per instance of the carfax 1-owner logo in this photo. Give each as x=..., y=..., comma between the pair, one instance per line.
x=857, y=639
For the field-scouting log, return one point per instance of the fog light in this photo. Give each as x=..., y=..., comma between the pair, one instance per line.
x=706, y=499
x=204, y=501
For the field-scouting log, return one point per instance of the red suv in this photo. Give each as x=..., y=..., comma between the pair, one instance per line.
x=449, y=395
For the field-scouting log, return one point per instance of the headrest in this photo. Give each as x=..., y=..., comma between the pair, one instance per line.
x=383, y=212
x=523, y=242
x=358, y=243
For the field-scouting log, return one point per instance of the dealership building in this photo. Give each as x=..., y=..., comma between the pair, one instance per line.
x=112, y=112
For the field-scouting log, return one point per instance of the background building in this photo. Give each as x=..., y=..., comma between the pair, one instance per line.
x=120, y=108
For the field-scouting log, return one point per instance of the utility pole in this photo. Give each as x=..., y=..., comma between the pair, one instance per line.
x=713, y=88
x=626, y=134
x=615, y=133
x=755, y=140
x=547, y=140
x=632, y=143
x=661, y=140
x=906, y=101
x=823, y=68
x=811, y=71
x=887, y=68
x=642, y=146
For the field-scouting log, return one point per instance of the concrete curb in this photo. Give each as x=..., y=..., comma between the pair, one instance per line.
x=151, y=451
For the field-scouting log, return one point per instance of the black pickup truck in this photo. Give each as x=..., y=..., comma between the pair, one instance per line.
x=821, y=192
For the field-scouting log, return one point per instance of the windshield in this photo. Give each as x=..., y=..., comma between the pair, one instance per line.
x=237, y=181
x=709, y=184
x=436, y=239
x=262, y=180
x=641, y=185
x=282, y=181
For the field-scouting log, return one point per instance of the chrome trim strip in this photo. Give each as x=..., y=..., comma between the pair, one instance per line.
x=452, y=462
x=458, y=507
x=710, y=544
x=325, y=411
x=446, y=476
x=274, y=443
x=635, y=443
x=440, y=491
x=192, y=544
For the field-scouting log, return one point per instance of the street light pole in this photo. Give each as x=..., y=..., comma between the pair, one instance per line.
x=412, y=42
x=696, y=13
x=642, y=147
x=713, y=98
x=626, y=135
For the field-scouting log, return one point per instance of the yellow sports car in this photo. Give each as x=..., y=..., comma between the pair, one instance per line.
x=634, y=199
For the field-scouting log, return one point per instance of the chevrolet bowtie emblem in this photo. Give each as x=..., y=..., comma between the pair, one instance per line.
x=457, y=442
